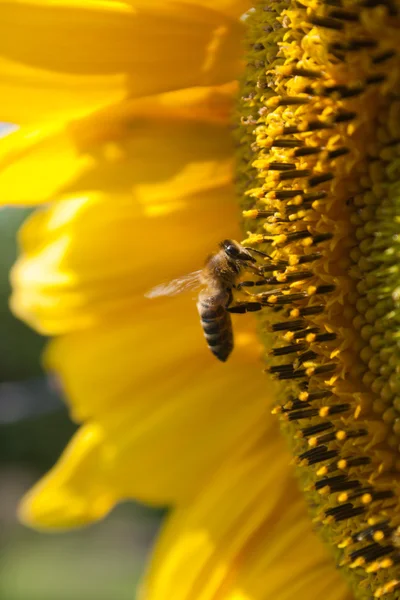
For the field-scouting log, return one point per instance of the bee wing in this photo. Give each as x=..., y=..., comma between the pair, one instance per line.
x=176, y=286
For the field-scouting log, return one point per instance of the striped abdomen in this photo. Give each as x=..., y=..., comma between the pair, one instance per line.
x=217, y=324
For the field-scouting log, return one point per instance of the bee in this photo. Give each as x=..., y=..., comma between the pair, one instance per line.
x=218, y=278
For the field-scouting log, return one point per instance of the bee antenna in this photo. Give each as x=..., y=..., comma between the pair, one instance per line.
x=257, y=252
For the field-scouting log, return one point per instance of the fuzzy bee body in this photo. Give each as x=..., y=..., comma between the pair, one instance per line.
x=218, y=278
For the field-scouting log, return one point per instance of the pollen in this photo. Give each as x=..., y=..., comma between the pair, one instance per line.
x=318, y=172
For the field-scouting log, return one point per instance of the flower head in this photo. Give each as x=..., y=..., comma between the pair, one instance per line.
x=129, y=145
x=319, y=115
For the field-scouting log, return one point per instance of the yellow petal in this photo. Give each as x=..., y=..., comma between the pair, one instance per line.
x=55, y=503
x=155, y=438
x=150, y=140
x=179, y=183
x=62, y=59
x=151, y=413
x=84, y=263
x=35, y=162
x=246, y=536
x=30, y=95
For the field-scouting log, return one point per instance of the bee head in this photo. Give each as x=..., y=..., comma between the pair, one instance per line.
x=236, y=252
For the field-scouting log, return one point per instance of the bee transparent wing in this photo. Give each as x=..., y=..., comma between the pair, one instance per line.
x=176, y=286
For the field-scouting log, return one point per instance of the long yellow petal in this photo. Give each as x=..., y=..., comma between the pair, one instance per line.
x=135, y=142
x=246, y=536
x=62, y=59
x=82, y=266
x=36, y=162
x=72, y=251
x=64, y=505
x=147, y=424
x=161, y=410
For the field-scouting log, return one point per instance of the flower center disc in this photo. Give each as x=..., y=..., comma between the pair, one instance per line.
x=318, y=138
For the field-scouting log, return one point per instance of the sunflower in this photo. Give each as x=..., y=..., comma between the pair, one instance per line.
x=127, y=141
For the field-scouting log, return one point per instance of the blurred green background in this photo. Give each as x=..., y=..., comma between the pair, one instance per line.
x=102, y=562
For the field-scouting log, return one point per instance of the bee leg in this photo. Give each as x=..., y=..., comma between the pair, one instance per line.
x=250, y=283
x=244, y=307
x=254, y=269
